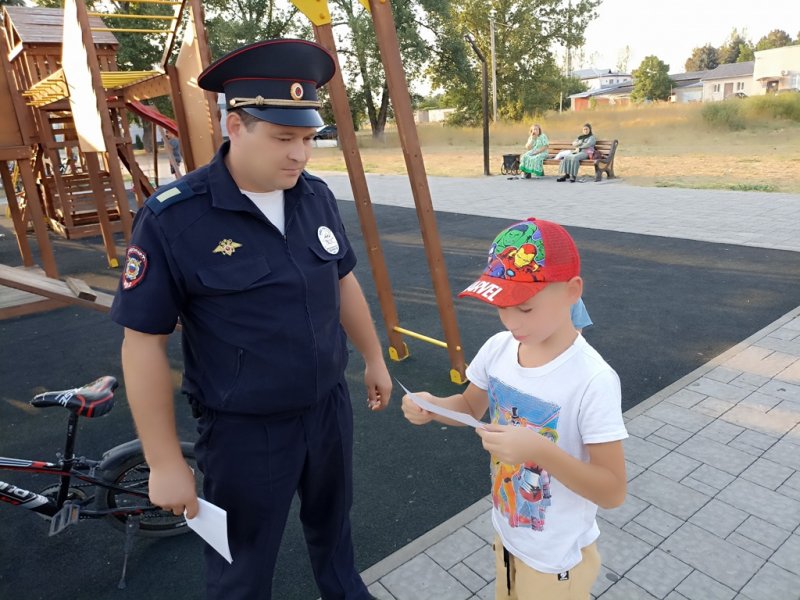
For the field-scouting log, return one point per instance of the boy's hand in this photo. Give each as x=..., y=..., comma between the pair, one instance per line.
x=511, y=444
x=413, y=412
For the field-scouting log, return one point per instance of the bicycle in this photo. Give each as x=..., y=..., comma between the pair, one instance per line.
x=114, y=488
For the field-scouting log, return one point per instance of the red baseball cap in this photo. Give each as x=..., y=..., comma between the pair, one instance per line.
x=524, y=259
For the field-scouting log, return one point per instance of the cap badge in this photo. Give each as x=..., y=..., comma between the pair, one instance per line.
x=227, y=247
x=296, y=91
x=328, y=240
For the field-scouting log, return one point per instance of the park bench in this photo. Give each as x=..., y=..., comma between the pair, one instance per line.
x=603, y=160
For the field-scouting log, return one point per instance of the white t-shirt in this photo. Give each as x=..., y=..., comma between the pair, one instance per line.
x=574, y=400
x=271, y=204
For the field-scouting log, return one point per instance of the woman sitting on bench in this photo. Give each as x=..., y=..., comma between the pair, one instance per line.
x=583, y=147
x=532, y=162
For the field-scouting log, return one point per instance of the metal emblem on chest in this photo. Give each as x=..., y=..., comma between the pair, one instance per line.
x=328, y=240
x=227, y=247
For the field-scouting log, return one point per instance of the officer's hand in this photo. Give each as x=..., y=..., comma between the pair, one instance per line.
x=379, y=384
x=172, y=487
x=412, y=411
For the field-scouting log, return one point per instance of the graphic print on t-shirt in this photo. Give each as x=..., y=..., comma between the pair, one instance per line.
x=521, y=492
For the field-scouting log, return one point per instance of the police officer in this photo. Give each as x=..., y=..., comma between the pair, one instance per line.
x=250, y=252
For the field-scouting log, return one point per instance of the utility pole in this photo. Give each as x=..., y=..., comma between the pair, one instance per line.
x=569, y=54
x=569, y=39
x=471, y=39
x=494, y=66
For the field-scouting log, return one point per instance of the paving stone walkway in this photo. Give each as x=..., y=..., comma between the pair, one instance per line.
x=757, y=219
x=713, y=506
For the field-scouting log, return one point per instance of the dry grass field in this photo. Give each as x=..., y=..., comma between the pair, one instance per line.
x=660, y=145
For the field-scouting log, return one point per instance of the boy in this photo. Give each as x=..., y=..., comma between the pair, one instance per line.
x=556, y=422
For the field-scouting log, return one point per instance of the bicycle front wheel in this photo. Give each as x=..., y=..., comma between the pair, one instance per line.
x=133, y=473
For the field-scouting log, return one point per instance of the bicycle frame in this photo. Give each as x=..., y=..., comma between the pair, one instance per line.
x=67, y=468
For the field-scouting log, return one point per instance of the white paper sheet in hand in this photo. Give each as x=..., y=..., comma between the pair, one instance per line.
x=444, y=412
x=211, y=524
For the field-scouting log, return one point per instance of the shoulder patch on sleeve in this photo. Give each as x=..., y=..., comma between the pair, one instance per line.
x=135, y=267
x=169, y=195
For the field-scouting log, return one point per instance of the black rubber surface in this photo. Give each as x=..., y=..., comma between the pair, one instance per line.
x=662, y=307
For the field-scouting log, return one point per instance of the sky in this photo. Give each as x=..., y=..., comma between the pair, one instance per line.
x=671, y=29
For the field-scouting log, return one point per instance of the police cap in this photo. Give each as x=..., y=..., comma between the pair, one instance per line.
x=273, y=80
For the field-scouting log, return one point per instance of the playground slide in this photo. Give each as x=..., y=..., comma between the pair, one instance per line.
x=152, y=114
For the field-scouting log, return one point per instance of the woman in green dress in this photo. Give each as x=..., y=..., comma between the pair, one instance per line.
x=532, y=162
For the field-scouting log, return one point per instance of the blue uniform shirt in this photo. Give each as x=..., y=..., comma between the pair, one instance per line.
x=259, y=310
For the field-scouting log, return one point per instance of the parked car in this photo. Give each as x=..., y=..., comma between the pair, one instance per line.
x=326, y=132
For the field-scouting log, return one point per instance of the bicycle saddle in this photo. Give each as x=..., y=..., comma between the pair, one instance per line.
x=92, y=400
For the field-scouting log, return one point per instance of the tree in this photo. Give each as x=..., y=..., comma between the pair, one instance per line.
x=358, y=45
x=529, y=79
x=651, y=81
x=730, y=51
x=703, y=58
x=746, y=53
x=623, y=59
x=777, y=38
x=234, y=23
x=12, y=2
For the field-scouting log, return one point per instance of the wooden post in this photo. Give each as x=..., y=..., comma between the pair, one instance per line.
x=114, y=171
x=180, y=117
x=389, y=47
x=39, y=225
x=355, y=169
x=155, y=153
x=17, y=218
x=98, y=191
x=129, y=158
x=198, y=18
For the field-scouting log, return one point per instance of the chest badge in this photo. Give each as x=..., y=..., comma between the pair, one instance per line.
x=328, y=240
x=227, y=247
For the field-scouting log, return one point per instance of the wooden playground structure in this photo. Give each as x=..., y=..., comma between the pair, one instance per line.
x=66, y=149
x=68, y=131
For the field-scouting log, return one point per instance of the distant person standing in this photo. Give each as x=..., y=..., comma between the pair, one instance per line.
x=173, y=147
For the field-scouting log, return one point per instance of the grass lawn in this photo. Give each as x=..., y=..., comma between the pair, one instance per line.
x=660, y=145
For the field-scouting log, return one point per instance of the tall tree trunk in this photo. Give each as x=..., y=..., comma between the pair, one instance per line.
x=383, y=113
x=371, y=112
x=147, y=135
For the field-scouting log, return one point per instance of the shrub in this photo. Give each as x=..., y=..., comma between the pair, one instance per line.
x=782, y=106
x=138, y=143
x=738, y=114
x=726, y=114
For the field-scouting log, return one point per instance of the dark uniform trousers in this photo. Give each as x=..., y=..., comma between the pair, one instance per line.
x=252, y=466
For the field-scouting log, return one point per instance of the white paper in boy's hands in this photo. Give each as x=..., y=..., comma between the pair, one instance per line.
x=444, y=412
x=211, y=524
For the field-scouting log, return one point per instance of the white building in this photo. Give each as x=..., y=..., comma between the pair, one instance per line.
x=594, y=79
x=776, y=70
x=433, y=115
x=687, y=87
x=728, y=81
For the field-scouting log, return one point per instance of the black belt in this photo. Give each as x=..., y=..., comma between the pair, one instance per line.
x=201, y=410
